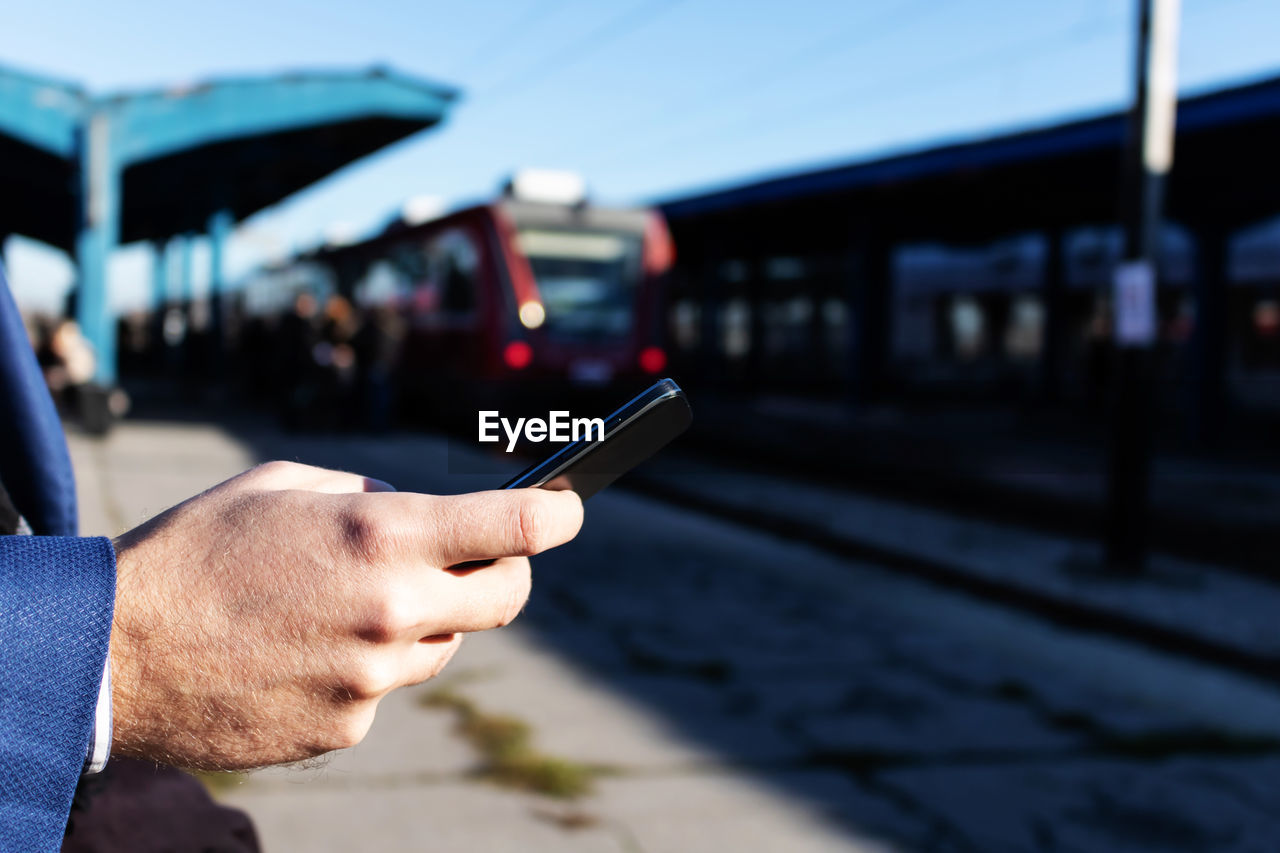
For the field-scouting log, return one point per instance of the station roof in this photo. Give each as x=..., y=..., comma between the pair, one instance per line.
x=1066, y=174
x=238, y=144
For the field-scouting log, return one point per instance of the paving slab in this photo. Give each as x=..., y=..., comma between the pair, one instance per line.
x=452, y=816
x=714, y=813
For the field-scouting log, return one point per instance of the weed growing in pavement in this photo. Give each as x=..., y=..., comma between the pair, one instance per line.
x=218, y=781
x=506, y=744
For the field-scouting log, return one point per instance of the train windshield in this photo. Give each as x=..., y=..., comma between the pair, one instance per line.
x=588, y=279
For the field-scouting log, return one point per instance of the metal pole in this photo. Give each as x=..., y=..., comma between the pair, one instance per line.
x=159, y=295
x=186, y=289
x=1149, y=159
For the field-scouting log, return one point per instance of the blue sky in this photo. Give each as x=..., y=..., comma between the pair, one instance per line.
x=648, y=99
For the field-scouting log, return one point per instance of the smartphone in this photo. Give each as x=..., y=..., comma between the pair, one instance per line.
x=632, y=434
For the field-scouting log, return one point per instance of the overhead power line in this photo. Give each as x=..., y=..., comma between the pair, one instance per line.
x=495, y=45
x=966, y=67
x=880, y=90
x=609, y=31
x=842, y=41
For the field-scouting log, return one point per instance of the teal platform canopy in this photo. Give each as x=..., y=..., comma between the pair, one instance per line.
x=86, y=173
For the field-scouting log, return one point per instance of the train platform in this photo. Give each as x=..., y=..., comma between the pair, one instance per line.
x=718, y=685
x=1216, y=614
x=1044, y=471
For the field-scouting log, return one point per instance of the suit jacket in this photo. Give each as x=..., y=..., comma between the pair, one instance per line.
x=56, y=597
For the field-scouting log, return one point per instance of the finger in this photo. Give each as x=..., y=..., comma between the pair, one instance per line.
x=280, y=476
x=507, y=523
x=464, y=602
x=424, y=659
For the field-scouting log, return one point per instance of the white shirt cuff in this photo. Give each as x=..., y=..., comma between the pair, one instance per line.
x=100, y=738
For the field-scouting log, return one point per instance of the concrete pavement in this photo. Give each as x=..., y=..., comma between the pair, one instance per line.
x=730, y=690
x=1220, y=615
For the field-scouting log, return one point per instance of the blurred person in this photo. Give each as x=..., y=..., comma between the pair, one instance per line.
x=335, y=362
x=377, y=351
x=67, y=362
x=257, y=623
x=298, y=335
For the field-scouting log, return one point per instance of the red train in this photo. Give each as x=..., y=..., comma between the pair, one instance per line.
x=517, y=290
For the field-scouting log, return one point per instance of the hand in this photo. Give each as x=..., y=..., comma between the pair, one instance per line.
x=261, y=621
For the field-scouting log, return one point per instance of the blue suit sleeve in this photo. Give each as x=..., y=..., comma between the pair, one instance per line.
x=56, y=599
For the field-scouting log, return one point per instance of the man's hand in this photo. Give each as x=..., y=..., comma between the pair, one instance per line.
x=261, y=621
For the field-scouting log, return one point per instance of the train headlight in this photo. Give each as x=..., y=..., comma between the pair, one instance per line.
x=532, y=315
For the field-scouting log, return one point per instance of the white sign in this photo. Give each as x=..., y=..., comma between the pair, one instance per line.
x=1134, y=298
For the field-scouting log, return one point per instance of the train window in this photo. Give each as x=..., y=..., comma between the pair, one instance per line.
x=835, y=317
x=588, y=280
x=410, y=264
x=735, y=328
x=788, y=327
x=785, y=268
x=799, y=311
x=834, y=313
x=1260, y=344
x=455, y=264
x=686, y=317
x=1023, y=336
x=380, y=285
x=1266, y=318
x=968, y=327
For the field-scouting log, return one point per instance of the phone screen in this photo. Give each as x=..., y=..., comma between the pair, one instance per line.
x=632, y=434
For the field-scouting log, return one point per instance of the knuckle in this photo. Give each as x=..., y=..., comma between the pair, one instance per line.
x=276, y=468
x=433, y=655
x=532, y=524
x=372, y=678
x=387, y=619
x=364, y=534
x=437, y=663
x=517, y=597
x=351, y=727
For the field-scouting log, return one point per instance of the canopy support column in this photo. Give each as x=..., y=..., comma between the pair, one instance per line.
x=159, y=276
x=159, y=295
x=98, y=235
x=185, y=287
x=219, y=230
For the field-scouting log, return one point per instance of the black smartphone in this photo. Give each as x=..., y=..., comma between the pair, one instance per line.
x=631, y=435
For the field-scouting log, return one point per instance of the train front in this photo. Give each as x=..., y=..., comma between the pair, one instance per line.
x=587, y=292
